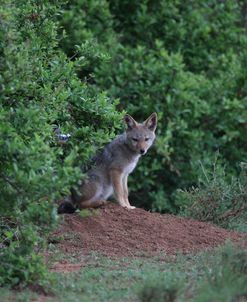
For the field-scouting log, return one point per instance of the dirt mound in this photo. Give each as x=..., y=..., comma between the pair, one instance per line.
x=116, y=231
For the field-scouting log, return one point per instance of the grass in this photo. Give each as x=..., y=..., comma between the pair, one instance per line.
x=88, y=212
x=217, y=275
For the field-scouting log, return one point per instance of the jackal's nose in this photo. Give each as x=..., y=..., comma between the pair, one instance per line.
x=142, y=151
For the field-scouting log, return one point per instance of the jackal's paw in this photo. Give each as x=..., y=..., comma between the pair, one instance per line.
x=130, y=207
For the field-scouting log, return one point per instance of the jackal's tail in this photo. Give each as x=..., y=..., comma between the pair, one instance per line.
x=66, y=208
x=68, y=204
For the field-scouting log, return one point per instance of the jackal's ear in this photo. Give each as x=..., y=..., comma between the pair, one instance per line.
x=151, y=122
x=131, y=123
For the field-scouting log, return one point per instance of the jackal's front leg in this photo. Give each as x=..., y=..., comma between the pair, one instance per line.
x=117, y=182
x=126, y=192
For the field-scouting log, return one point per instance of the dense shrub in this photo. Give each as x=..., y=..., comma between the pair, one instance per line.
x=206, y=33
x=86, y=28
x=184, y=60
x=39, y=91
x=217, y=198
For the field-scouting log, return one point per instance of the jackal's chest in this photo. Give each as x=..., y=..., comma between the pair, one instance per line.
x=130, y=167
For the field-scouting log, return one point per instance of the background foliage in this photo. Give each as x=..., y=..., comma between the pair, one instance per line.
x=64, y=64
x=184, y=59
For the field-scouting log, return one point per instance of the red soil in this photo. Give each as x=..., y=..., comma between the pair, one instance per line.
x=116, y=231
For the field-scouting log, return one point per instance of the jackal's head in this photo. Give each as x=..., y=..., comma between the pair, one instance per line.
x=140, y=136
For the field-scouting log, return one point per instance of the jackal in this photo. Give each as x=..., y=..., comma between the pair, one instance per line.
x=112, y=167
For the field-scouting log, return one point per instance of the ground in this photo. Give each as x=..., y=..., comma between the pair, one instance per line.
x=116, y=231
x=114, y=254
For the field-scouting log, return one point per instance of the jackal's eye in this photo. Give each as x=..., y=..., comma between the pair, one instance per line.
x=135, y=139
x=146, y=139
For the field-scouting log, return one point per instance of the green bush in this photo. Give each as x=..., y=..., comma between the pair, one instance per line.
x=218, y=198
x=86, y=28
x=206, y=33
x=40, y=91
x=185, y=61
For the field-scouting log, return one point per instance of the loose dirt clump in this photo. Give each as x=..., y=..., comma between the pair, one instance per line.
x=116, y=231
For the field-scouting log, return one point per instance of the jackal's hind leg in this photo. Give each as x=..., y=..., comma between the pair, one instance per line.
x=92, y=204
x=90, y=197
